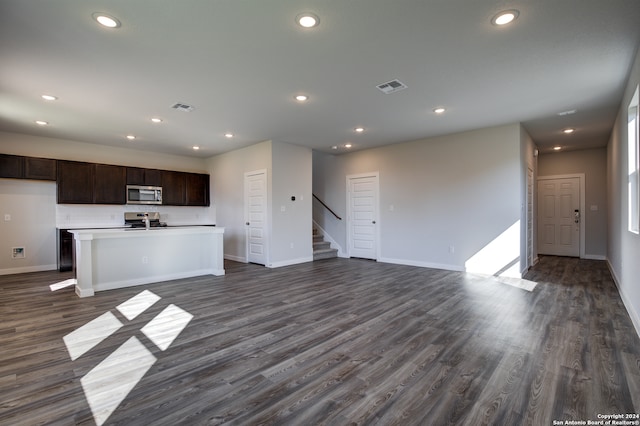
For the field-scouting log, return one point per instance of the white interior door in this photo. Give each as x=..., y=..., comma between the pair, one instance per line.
x=255, y=189
x=559, y=216
x=362, y=216
x=530, y=190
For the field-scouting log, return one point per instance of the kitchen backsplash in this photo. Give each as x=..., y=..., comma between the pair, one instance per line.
x=103, y=216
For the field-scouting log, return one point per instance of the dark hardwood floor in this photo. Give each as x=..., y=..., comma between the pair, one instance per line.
x=335, y=342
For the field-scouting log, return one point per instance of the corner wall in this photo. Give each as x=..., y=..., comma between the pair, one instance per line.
x=593, y=163
x=448, y=202
x=623, y=249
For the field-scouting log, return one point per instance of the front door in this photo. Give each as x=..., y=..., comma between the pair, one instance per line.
x=559, y=216
x=362, y=204
x=255, y=189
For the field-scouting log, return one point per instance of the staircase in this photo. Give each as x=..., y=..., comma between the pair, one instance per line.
x=321, y=248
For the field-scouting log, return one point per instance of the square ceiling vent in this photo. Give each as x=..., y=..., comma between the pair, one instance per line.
x=182, y=107
x=391, y=86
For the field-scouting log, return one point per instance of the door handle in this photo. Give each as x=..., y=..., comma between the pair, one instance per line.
x=576, y=216
x=247, y=224
x=373, y=221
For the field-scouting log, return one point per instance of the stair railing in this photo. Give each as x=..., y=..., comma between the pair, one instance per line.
x=326, y=207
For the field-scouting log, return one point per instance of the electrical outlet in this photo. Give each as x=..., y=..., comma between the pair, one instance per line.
x=145, y=259
x=452, y=249
x=291, y=245
x=7, y=217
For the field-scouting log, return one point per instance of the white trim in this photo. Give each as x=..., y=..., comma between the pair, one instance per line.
x=421, y=264
x=236, y=258
x=594, y=257
x=626, y=301
x=583, y=216
x=376, y=175
x=26, y=269
x=332, y=242
x=290, y=262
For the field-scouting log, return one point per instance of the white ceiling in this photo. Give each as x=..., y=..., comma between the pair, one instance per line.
x=240, y=63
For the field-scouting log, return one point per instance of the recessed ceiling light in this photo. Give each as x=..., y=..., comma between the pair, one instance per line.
x=359, y=129
x=49, y=97
x=195, y=148
x=505, y=17
x=569, y=130
x=106, y=20
x=569, y=112
x=228, y=135
x=334, y=147
x=301, y=98
x=131, y=137
x=557, y=148
x=347, y=145
x=41, y=122
x=307, y=20
x=156, y=120
x=439, y=110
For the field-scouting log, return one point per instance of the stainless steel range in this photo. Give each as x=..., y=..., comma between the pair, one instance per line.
x=143, y=220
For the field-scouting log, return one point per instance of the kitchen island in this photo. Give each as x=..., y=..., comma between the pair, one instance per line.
x=106, y=259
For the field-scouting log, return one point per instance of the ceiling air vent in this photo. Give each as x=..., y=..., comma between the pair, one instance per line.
x=182, y=107
x=391, y=86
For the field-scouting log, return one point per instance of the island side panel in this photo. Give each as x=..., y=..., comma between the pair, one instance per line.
x=84, y=264
x=109, y=259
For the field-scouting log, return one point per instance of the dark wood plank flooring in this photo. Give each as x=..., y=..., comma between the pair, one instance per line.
x=336, y=342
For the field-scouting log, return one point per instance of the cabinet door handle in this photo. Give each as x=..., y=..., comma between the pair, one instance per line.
x=247, y=223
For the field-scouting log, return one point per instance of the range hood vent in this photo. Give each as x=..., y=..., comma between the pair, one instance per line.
x=391, y=86
x=182, y=107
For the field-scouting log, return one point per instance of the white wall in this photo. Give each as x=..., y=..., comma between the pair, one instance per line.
x=31, y=205
x=60, y=149
x=623, y=250
x=227, y=192
x=593, y=163
x=461, y=191
x=288, y=174
x=292, y=240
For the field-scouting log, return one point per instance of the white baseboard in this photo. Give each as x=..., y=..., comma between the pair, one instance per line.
x=594, y=257
x=240, y=259
x=635, y=318
x=290, y=262
x=406, y=262
x=26, y=269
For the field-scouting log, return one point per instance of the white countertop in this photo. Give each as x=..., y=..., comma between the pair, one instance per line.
x=143, y=232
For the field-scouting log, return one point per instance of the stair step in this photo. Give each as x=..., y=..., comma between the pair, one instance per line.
x=321, y=248
x=320, y=245
x=325, y=254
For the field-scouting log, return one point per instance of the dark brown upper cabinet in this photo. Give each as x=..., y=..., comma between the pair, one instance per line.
x=147, y=177
x=109, y=184
x=197, y=189
x=75, y=182
x=19, y=167
x=40, y=168
x=11, y=166
x=174, y=185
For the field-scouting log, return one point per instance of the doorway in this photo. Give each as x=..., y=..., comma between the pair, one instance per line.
x=255, y=205
x=362, y=215
x=560, y=215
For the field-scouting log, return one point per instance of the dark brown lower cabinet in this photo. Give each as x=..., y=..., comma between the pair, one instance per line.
x=65, y=250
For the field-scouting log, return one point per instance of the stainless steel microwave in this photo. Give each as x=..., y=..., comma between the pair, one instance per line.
x=137, y=194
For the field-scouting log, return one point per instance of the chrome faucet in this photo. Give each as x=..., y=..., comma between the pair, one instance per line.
x=146, y=221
